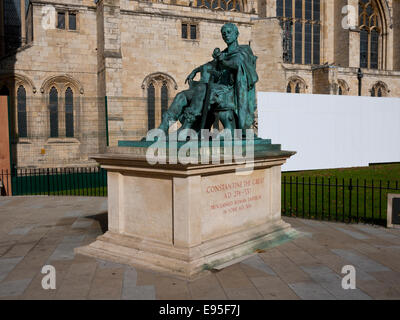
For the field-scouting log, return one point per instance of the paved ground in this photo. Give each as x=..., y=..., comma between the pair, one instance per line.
x=36, y=231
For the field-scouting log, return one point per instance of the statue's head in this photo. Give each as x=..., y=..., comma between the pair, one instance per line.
x=229, y=32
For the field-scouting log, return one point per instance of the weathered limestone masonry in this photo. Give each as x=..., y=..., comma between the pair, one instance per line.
x=325, y=80
x=204, y=217
x=396, y=35
x=267, y=47
x=122, y=47
x=110, y=61
x=153, y=51
x=60, y=59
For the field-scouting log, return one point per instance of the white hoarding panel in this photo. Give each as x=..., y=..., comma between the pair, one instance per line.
x=329, y=131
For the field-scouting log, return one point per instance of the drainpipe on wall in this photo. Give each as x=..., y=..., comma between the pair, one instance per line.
x=360, y=75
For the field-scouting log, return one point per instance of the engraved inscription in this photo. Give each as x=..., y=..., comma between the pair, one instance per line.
x=235, y=196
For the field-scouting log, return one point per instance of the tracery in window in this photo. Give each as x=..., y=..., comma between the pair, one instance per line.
x=296, y=85
x=18, y=88
x=379, y=90
x=370, y=23
x=62, y=94
x=300, y=21
x=158, y=88
x=226, y=5
x=343, y=88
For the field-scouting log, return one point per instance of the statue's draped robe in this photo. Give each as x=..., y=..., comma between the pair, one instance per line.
x=242, y=65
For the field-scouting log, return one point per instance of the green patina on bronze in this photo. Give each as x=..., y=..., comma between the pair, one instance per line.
x=259, y=147
x=226, y=93
x=226, y=90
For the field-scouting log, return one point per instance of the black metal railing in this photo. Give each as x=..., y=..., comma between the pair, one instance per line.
x=345, y=200
x=332, y=199
x=84, y=181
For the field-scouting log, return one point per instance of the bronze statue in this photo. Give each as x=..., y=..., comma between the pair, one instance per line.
x=226, y=90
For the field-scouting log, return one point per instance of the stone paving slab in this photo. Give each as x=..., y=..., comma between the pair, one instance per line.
x=6, y=265
x=36, y=231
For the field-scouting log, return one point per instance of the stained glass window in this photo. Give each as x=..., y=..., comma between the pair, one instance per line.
x=12, y=24
x=69, y=113
x=374, y=49
x=279, y=8
x=308, y=9
x=307, y=43
x=288, y=8
x=370, y=33
x=61, y=20
x=295, y=85
x=184, y=31
x=316, y=10
x=71, y=21
x=53, y=108
x=298, y=43
x=21, y=109
x=298, y=9
x=151, y=107
x=316, y=44
x=363, y=48
x=189, y=30
x=164, y=98
x=193, y=31
x=301, y=26
x=228, y=5
x=379, y=90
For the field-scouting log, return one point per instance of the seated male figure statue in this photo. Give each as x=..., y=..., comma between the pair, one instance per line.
x=226, y=90
x=187, y=105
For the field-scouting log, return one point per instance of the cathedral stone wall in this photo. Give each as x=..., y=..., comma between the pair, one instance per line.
x=121, y=48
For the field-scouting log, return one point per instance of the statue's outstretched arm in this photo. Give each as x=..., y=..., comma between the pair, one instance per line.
x=191, y=76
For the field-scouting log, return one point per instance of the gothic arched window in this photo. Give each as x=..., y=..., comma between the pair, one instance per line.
x=301, y=26
x=226, y=5
x=164, y=98
x=370, y=22
x=69, y=113
x=343, y=88
x=297, y=89
x=53, y=109
x=296, y=85
x=379, y=90
x=151, y=106
x=21, y=109
x=157, y=89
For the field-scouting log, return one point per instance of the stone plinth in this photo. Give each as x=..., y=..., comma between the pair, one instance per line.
x=188, y=219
